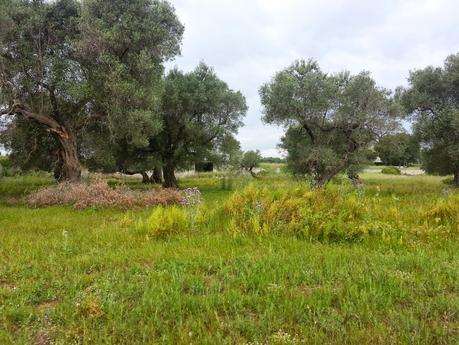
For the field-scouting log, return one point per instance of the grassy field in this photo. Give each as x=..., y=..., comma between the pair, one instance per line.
x=242, y=269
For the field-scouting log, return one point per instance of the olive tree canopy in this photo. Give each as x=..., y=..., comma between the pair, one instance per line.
x=198, y=112
x=330, y=119
x=85, y=69
x=433, y=99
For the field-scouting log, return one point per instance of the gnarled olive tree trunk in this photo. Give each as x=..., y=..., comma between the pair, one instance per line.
x=170, y=181
x=157, y=176
x=145, y=177
x=69, y=168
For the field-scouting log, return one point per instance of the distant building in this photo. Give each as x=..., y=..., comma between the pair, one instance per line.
x=378, y=161
x=204, y=167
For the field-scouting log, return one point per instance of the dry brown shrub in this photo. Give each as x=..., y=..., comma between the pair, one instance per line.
x=99, y=194
x=165, y=196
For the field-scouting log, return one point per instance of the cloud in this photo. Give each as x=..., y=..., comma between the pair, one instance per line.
x=247, y=42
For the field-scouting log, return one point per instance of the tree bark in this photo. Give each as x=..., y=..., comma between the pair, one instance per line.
x=157, y=176
x=325, y=178
x=356, y=181
x=252, y=173
x=145, y=177
x=170, y=181
x=70, y=168
x=456, y=178
x=323, y=181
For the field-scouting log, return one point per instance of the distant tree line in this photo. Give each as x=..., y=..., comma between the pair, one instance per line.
x=83, y=84
x=401, y=149
x=277, y=160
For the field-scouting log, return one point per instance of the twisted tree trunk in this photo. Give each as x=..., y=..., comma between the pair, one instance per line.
x=157, y=176
x=70, y=168
x=145, y=177
x=356, y=180
x=170, y=181
x=252, y=173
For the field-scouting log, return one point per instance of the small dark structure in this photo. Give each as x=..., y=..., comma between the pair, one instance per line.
x=204, y=167
x=378, y=162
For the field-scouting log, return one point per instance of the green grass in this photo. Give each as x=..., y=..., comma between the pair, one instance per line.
x=272, y=167
x=20, y=186
x=91, y=277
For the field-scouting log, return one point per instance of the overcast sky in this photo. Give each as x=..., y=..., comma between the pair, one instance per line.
x=248, y=41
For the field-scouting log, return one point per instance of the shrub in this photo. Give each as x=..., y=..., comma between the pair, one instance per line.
x=192, y=197
x=391, y=171
x=162, y=196
x=99, y=194
x=445, y=211
x=340, y=214
x=7, y=169
x=167, y=221
x=314, y=214
x=5, y=162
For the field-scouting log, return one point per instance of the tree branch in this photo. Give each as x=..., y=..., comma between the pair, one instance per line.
x=309, y=131
x=53, y=126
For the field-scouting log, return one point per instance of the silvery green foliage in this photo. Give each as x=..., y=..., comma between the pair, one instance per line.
x=330, y=119
x=433, y=99
x=251, y=160
x=126, y=44
x=398, y=149
x=43, y=81
x=198, y=111
x=91, y=71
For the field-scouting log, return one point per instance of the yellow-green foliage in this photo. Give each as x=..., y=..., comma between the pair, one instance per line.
x=335, y=213
x=166, y=221
x=445, y=211
x=98, y=276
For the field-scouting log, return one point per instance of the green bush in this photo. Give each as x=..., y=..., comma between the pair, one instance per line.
x=5, y=161
x=445, y=211
x=338, y=214
x=6, y=168
x=326, y=214
x=167, y=221
x=391, y=171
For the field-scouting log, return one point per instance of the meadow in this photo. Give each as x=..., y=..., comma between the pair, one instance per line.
x=265, y=261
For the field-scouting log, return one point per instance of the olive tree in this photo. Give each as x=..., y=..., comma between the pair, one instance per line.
x=251, y=160
x=432, y=97
x=41, y=79
x=198, y=111
x=126, y=44
x=84, y=71
x=398, y=149
x=330, y=119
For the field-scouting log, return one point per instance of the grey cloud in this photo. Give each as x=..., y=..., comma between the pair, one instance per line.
x=248, y=41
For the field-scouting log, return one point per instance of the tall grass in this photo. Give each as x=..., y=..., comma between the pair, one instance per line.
x=181, y=275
